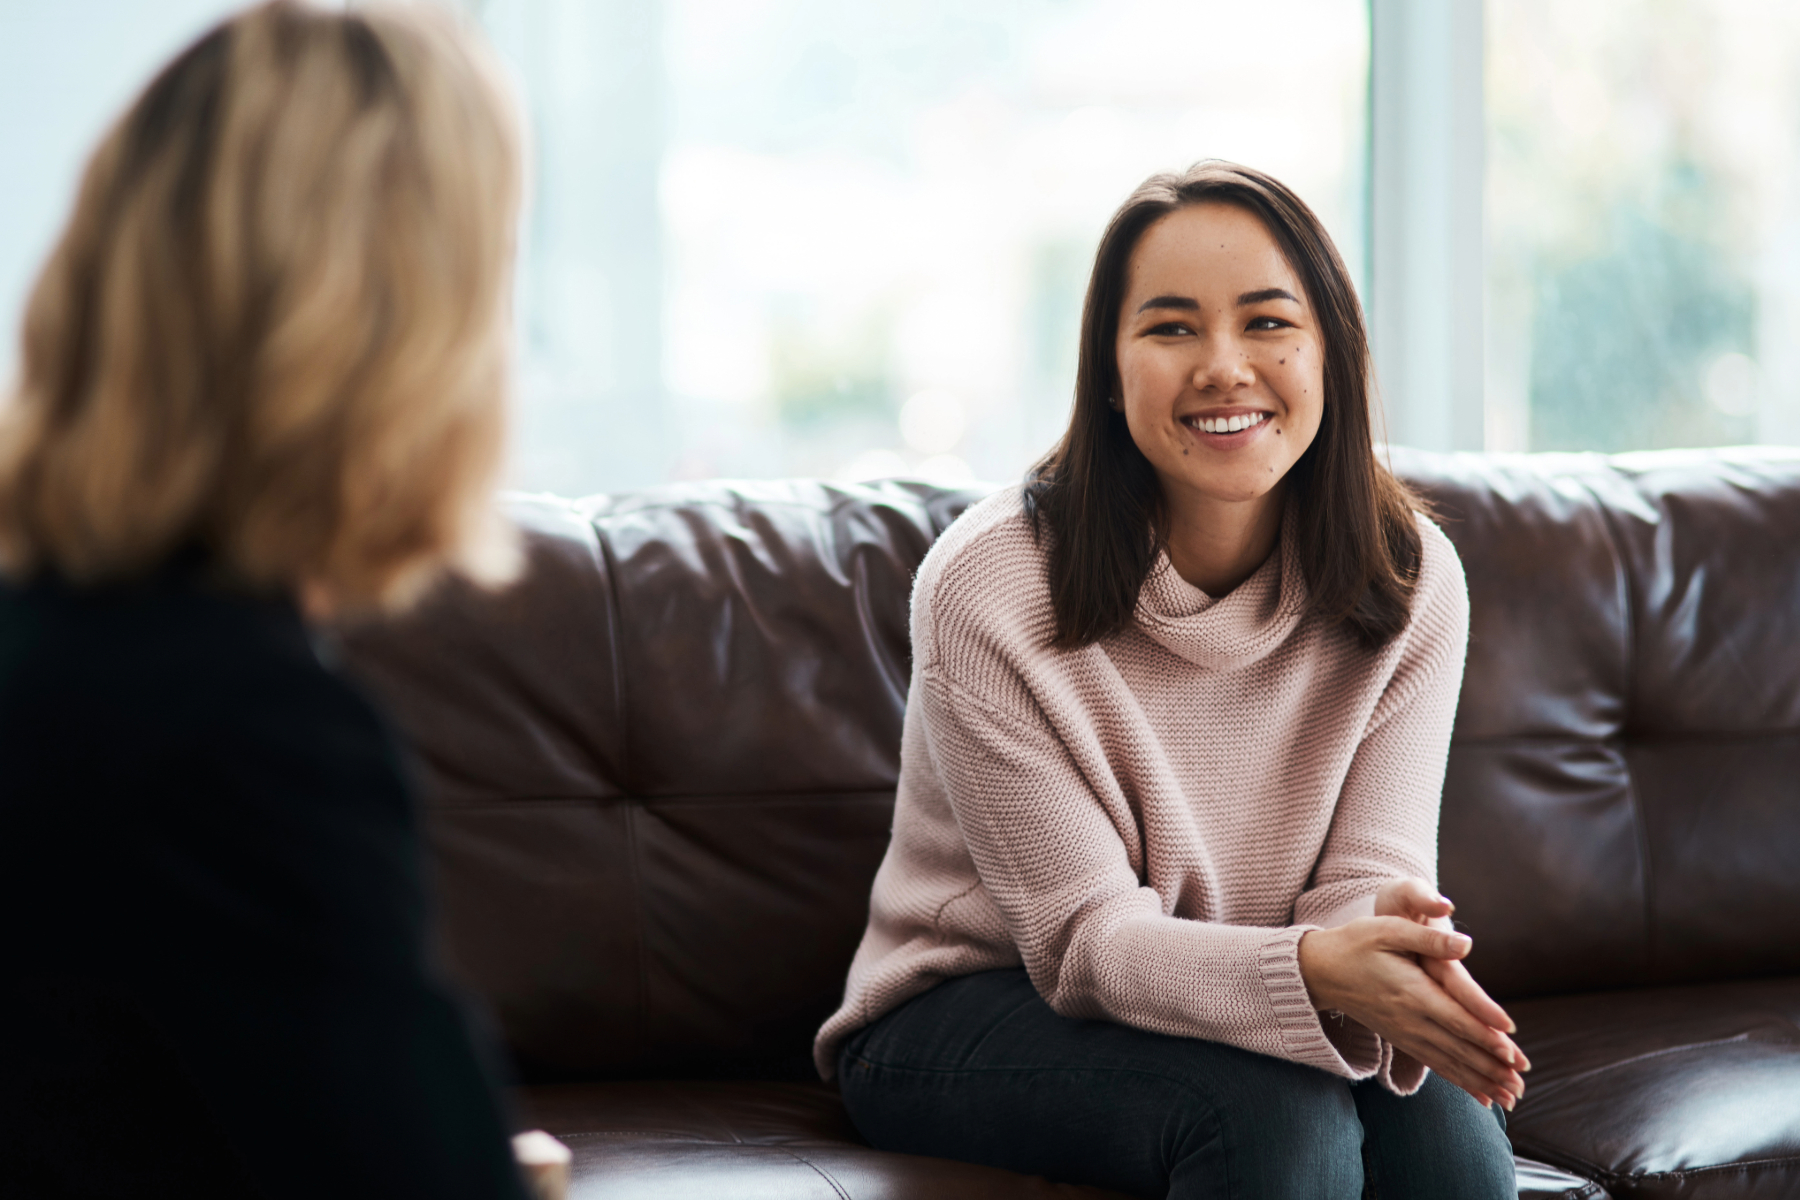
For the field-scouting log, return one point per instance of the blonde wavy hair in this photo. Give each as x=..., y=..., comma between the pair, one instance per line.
x=275, y=329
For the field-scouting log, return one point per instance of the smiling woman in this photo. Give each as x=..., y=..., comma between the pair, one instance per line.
x=1158, y=912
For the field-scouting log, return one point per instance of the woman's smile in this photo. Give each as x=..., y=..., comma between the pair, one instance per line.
x=1227, y=428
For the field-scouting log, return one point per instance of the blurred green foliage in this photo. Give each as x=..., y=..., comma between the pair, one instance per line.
x=1622, y=340
x=818, y=376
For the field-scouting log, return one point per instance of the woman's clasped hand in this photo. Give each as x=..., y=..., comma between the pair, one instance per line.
x=1400, y=973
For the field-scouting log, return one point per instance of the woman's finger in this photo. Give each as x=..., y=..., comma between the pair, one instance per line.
x=1408, y=938
x=1489, y=1071
x=1455, y=979
x=1466, y=1039
x=1464, y=1065
x=1441, y=1008
x=1413, y=899
x=1433, y=1054
x=1430, y=1005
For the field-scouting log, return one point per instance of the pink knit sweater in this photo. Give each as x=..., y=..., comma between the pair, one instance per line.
x=1149, y=824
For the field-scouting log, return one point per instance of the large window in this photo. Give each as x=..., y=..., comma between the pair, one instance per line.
x=807, y=237
x=816, y=237
x=1643, y=223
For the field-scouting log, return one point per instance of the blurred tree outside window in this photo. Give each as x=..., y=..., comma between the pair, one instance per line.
x=1643, y=210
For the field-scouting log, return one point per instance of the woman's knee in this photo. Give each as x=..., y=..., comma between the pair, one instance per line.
x=1264, y=1127
x=1436, y=1142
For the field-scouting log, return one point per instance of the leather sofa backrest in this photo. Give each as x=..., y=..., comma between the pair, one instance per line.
x=1623, y=799
x=659, y=771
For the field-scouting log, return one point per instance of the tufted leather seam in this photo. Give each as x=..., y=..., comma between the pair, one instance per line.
x=1587, y=1191
x=685, y=1139
x=819, y=1171
x=1755, y=1164
x=696, y=1139
x=814, y=1167
x=861, y=595
x=1640, y=824
x=1605, y=1176
x=633, y=814
x=733, y=503
x=621, y=697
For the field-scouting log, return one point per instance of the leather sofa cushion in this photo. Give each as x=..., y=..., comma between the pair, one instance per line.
x=1690, y=1092
x=748, y=1141
x=792, y=1141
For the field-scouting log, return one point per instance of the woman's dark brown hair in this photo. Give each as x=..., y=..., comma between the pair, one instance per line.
x=1097, y=494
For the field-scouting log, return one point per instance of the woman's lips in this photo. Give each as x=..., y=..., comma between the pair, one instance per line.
x=1250, y=424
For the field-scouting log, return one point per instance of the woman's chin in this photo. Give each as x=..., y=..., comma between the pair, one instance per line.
x=1243, y=483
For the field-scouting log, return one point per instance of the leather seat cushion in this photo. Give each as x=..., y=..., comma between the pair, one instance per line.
x=747, y=1141
x=1541, y=1181
x=791, y=1141
x=1663, y=1092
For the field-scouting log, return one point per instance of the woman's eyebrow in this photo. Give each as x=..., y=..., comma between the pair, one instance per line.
x=1269, y=293
x=1186, y=302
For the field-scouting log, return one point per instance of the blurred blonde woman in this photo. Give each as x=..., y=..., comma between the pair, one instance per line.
x=262, y=384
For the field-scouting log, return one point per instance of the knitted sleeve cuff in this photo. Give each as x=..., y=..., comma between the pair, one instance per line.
x=1304, y=1037
x=1400, y=1073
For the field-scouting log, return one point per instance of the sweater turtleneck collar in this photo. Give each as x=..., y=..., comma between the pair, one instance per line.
x=1244, y=625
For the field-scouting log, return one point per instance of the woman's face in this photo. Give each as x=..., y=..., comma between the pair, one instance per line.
x=1221, y=364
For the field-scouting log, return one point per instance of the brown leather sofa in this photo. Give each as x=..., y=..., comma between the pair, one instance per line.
x=660, y=772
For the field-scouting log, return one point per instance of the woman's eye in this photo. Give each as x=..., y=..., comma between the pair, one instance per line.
x=1168, y=329
x=1266, y=323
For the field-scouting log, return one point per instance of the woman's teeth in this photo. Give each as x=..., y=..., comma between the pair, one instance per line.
x=1228, y=424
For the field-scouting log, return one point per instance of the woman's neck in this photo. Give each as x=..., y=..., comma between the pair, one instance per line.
x=1216, y=544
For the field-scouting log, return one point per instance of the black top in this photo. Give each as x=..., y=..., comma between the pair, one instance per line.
x=214, y=964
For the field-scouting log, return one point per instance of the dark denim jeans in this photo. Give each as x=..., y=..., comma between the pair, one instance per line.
x=980, y=1069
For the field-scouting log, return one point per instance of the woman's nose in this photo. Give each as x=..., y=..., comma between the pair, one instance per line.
x=1223, y=365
